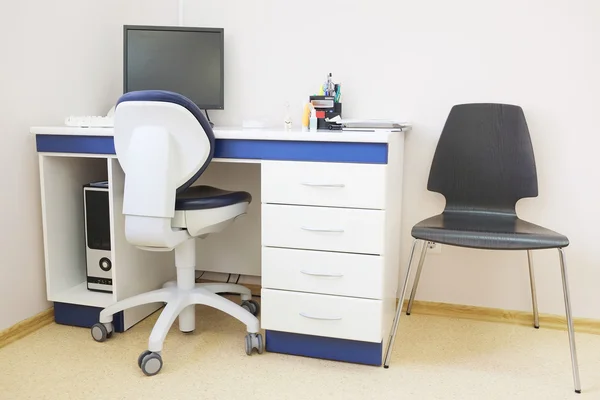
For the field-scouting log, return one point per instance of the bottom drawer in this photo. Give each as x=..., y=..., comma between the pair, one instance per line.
x=322, y=315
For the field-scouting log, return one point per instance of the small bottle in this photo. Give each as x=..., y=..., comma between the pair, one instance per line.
x=313, y=119
x=306, y=117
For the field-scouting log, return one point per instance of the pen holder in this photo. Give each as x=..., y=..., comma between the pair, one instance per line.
x=326, y=108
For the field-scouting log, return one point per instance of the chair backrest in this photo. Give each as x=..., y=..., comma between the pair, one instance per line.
x=484, y=159
x=163, y=143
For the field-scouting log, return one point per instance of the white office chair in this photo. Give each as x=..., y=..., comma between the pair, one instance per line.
x=164, y=143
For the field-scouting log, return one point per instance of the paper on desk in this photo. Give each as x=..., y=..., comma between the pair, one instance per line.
x=373, y=123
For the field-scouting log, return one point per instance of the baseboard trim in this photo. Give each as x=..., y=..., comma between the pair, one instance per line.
x=584, y=325
x=26, y=327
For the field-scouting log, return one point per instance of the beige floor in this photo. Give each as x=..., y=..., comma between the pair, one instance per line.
x=435, y=358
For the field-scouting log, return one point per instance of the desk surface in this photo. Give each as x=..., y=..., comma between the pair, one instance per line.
x=245, y=134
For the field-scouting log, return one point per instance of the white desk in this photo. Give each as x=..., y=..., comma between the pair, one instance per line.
x=324, y=233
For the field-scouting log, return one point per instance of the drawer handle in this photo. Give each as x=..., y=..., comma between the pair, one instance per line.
x=321, y=318
x=324, y=185
x=322, y=230
x=322, y=275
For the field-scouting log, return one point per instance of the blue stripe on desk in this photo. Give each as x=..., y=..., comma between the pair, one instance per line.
x=324, y=347
x=75, y=144
x=287, y=150
x=83, y=316
x=284, y=150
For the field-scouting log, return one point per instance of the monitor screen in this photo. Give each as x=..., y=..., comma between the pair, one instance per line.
x=188, y=61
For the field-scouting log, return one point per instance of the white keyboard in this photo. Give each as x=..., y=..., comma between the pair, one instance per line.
x=90, y=121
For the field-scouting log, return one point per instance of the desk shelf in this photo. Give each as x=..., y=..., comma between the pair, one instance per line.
x=62, y=178
x=80, y=295
x=62, y=181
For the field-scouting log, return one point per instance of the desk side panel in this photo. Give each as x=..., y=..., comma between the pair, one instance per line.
x=393, y=243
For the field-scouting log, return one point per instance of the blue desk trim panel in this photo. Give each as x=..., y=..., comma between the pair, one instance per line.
x=75, y=144
x=281, y=150
x=83, y=316
x=324, y=347
x=287, y=150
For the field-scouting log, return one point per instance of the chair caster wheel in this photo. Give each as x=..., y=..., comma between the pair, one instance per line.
x=150, y=363
x=100, y=332
x=141, y=357
x=252, y=306
x=254, y=341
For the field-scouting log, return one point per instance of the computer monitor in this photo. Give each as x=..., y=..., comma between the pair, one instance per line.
x=184, y=60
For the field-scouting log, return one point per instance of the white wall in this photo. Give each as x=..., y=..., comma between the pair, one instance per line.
x=396, y=59
x=57, y=58
x=414, y=60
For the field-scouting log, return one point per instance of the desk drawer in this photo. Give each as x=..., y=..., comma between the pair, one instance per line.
x=322, y=315
x=355, y=275
x=324, y=184
x=321, y=228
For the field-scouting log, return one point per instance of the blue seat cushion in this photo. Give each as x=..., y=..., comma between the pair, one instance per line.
x=207, y=197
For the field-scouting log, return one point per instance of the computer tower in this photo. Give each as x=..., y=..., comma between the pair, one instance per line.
x=97, y=237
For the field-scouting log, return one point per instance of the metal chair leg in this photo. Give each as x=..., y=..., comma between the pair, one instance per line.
x=575, y=365
x=536, y=315
x=392, y=338
x=417, y=278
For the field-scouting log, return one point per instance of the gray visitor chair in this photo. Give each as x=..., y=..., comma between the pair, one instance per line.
x=483, y=164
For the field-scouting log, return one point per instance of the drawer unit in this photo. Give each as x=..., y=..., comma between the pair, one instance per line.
x=324, y=184
x=322, y=228
x=322, y=315
x=355, y=275
x=330, y=242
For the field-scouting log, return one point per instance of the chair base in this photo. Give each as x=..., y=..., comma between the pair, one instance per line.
x=180, y=298
x=180, y=303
